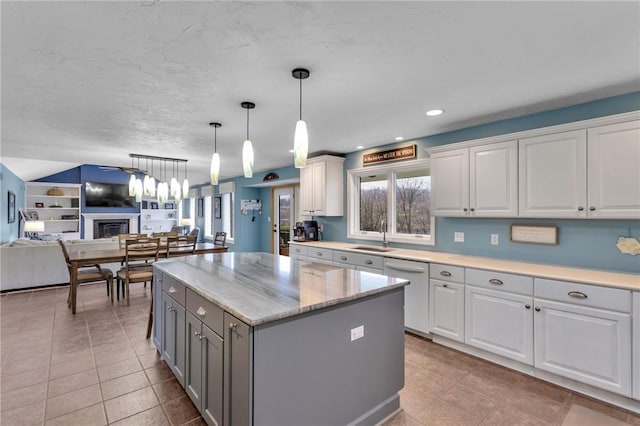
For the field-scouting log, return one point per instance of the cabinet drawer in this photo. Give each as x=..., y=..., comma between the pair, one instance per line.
x=446, y=272
x=207, y=312
x=173, y=288
x=582, y=294
x=298, y=250
x=500, y=281
x=357, y=259
x=319, y=253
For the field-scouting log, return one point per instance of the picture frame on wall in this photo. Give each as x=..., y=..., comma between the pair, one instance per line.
x=217, y=211
x=153, y=205
x=169, y=206
x=39, y=205
x=200, y=207
x=11, y=207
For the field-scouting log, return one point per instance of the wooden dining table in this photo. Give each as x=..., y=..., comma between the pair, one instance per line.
x=79, y=259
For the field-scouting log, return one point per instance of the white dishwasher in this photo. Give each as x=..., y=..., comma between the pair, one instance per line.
x=416, y=294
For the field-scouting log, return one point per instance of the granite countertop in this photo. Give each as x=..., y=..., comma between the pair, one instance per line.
x=540, y=270
x=260, y=287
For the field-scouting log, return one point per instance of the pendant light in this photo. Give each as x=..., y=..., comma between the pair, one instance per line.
x=132, y=181
x=247, y=147
x=301, y=137
x=138, y=189
x=163, y=189
x=215, y=158
x=185, y=183
x=152, y=182
x=174, y=186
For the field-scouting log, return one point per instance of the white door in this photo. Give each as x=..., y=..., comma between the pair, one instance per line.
x=493, y=183
x=499, y=322
x=283, y=219
x=553, y=175
x=614, y=171
x=416, y=294
x=446, y=309
x=450, y=183
x=589, y=345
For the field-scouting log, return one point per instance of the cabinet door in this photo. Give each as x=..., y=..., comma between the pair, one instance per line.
x=158, y=310
x=306, y=190
x=416, y=294
x=237, y=372
x=553, y=175
x=319, y=188
x=636, y=345
x=180, y=342
x=446, y=309
x=450, y=183
x=212, y=377
x=499, y=322
x=168, y=330
x=614, y=171
x=589, y=345
x=193, y=369
x=493, y=183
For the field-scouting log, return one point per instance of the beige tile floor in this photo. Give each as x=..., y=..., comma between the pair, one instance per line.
x=97, y=368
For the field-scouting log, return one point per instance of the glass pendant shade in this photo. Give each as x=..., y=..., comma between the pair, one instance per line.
x=138, y=190
x=177, y=194
x=215, y=168
x=132, y=185
x=185, y=188
x=163, y=192
x=247, y=158
x=173, y=186
x=146, y=185
x=152, y=186
x=300, y=145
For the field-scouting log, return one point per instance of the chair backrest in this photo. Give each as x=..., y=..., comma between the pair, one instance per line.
x=177, y=229
x=220, y=238
x=66, y=255
x=196, y=232
x=164, y=234
x=181, y=246
x=123, y=237
x=141, y=251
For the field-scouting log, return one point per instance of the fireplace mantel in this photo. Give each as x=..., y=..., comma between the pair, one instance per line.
x=88, y=219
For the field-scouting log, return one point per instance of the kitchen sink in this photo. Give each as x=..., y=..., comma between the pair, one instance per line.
x=374, y=249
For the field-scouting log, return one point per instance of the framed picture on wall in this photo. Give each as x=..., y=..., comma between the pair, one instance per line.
x=200, y=207
x=39, y=205
x=217, y=211
x=154, y=205
x=169, y=206
x=11, y=206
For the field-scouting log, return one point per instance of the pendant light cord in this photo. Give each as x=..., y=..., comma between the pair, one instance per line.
x=248, y=124
x=300, y=99
x=215, y=139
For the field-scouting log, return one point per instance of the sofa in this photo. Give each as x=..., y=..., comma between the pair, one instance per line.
x=32, y=263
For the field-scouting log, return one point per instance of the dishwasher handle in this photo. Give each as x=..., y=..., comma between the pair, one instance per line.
x=405, y=268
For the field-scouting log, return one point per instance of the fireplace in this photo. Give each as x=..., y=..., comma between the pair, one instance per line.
x=110, y=227
x=91, y=232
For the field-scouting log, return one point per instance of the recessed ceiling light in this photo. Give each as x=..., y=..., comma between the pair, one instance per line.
x=399, y=138
x=434, y=112
x=359, y=147
x=291, y=151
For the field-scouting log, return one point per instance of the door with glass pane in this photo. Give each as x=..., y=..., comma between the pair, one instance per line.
x=283, y=220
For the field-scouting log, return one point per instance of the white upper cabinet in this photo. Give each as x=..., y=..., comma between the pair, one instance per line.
x=614, y=171
x=480, y=181
x=321, y=186
x=553, y=175
x=590, y=173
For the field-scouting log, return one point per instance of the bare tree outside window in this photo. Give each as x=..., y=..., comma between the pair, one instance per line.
x=413, y=200
x=373, y=201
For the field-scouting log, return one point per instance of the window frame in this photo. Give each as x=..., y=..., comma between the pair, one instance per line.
x=231, y=232
x=353, y=203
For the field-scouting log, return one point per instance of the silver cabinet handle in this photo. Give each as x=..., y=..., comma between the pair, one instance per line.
x=527, y=306
x=319, y=253
x=472, y=209
x=343, y=257
x=577, y=294
x=404, y=268
x=171, y=309
x=368, y=262
x=201, y=311
x=172, y=290
x=592, y=208
x=495, y=281
x=233, y=326
x=464, y=210
x=201, y=337
x=580, y=208
x=445, y=285
x=297, y=250
x=195, y=333
x=445, y=273
x=537, y=309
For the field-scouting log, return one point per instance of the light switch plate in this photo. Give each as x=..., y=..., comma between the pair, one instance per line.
x=458, y=237
x=495, y=239
x=357, y=333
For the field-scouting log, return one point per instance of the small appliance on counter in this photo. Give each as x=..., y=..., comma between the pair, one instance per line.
x=298, y=233
x=310, y=230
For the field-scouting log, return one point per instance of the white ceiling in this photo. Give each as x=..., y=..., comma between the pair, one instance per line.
x=91, y=82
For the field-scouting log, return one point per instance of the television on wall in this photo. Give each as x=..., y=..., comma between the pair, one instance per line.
x=98, y=194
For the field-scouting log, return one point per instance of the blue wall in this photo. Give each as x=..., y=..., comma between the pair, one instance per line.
x=582, y=243
x=10, y=182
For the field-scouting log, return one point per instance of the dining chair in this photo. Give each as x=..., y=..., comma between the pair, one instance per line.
x=123, y=237
x=88, y=274
x=195, y=231
x=220, y=238
x=181, y=246
x=164, y=234
x=138, y=265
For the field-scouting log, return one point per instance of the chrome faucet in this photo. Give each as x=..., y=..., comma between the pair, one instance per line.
x=383, y=229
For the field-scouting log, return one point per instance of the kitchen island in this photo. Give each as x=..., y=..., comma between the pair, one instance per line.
x=268, y=340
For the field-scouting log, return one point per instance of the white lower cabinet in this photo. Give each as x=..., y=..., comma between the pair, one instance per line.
x=446, y=309
x=589, y=345
x=636, y=345
x=416, y=294
x=499, y=322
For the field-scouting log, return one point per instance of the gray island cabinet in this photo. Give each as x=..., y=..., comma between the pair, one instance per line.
x=258, y=339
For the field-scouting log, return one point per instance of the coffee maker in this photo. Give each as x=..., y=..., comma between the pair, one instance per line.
x=310, y=230
x=298, y=233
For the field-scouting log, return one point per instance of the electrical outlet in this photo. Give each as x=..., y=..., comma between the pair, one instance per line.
x=357, y=333
x=458, y=237
x=320, y=228
x=495, y=239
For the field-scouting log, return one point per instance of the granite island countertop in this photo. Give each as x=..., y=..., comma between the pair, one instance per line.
x=260, y=287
